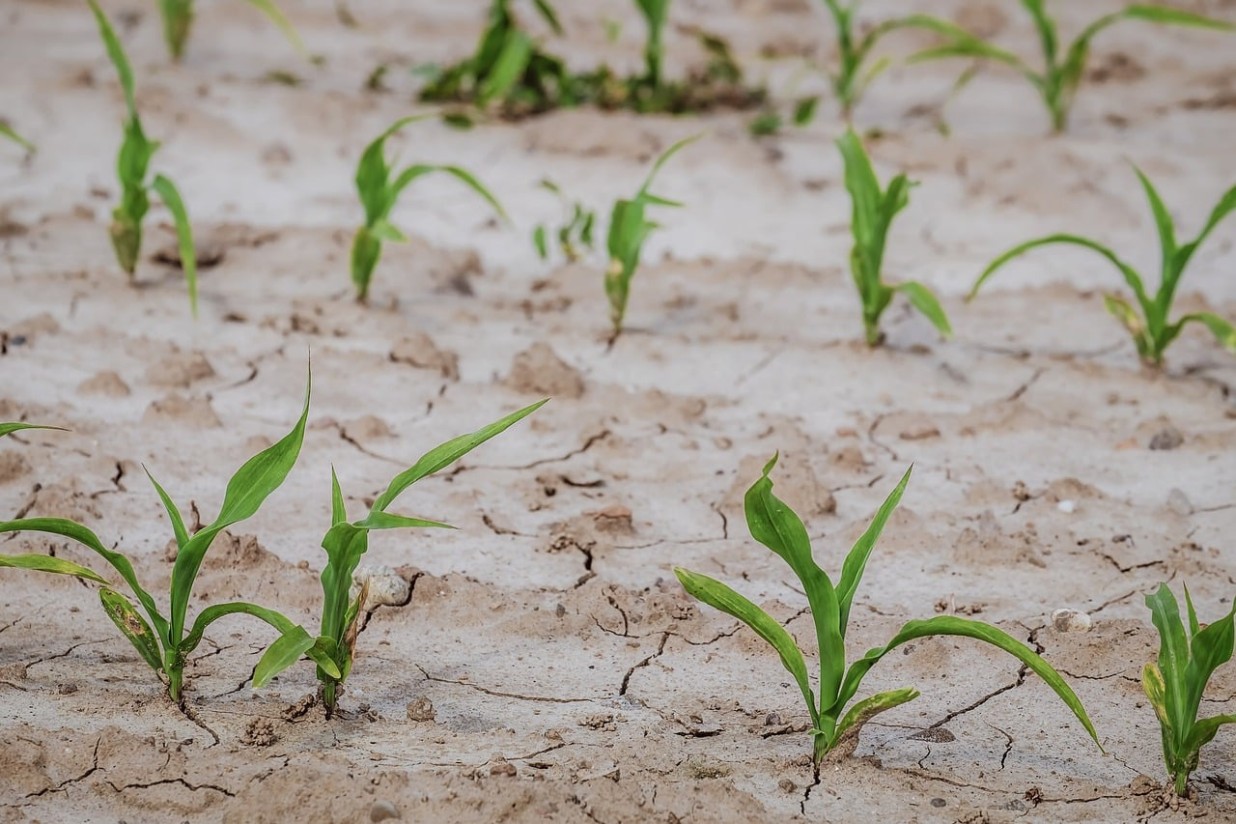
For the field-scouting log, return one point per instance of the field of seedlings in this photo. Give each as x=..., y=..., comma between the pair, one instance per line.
x=833, y=408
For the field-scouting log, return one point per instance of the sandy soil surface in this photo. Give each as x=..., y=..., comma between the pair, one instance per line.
x=570, y=678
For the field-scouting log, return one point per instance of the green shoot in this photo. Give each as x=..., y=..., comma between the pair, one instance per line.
x=347, y=541
x=873, y=213
x=1063, y=69
x=629, y=227
x=379, y=189
x=775, y=525
x=132, y=167
x=1176, y=683
x=165, y=641
x=655, y=12
x=1150, y=322
x=574, y=234
x=507, y=67
x=7, y=131
x=853, y=75
x=178, y=20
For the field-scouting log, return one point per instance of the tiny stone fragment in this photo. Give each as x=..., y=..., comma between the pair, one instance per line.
x=1067, y=507
x=1179, y=503
x=1070, y=620
x=260, y=733
x=1169, y=437
x=421, y=708
x=386, y=587
x=787, y=785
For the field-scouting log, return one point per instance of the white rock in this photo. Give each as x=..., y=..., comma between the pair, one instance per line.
x=386, y=587
x=1179, y=502
x=1070, y=620
x=1067, y=507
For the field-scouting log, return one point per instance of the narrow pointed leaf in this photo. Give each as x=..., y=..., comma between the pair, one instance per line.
x=868, y=708
x=285, y=651
x=1223, y=331
x=173, y=513
x=1173, y=653
x=10, y=428
x=116, y=52
x=133, y=626
x=389, y=520
x=719, y=596
x=856, y=559
x=47, y=563
x=276, y=16
x=184, y=233
x=7, y=131
x=926, y=303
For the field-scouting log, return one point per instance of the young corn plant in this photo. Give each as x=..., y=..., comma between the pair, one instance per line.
x=574, y=234
x=853, y=75
x=629, y=227
x=347, y=541
x=1063, y=69
x=775, y=525
x=132, y=166
x=166, y=641
x=1176, y=683
x=1149, y=323
x=379, y=189
x=178, y=20
x=508, y=67
x=656, y=13
x=873, y=212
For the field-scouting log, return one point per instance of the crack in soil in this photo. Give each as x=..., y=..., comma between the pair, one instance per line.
x=545, y=699
x=94, y=766
x=181, y=781
x=191, y=714
x=589, y=442
x=626, y=679
x=815, y=782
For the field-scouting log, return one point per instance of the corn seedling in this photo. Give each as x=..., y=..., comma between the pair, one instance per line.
x=379, y=189
x=508, y=66
x=775, y=525
x=629, y=227
x=132, y=166
x=178, y=20
x=1149, y=322
x=165, y=642
x=1175, y=684
x=656, y=13
x=853, y=75
x=9, y=132
x=574, y=234
x=1063, y=70
x=347, y=541
x=873, y=213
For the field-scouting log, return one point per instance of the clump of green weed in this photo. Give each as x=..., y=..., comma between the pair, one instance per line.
x=775, y=525
x=873, y=212
x=1149, y=323
x=347, y=541
x=1063, y=69
x=132, y=166
x=165, y=642
x=178, y=20
x=379, y=188
x=1176, y=683
x=629, y=227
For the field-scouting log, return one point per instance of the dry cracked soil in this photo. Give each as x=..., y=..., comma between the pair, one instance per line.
x=541, y=663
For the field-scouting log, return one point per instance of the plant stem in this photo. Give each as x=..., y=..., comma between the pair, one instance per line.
x=175, y=678
x=328, y=697
x=1182, y=783
x=819, y=748
x=872, y=327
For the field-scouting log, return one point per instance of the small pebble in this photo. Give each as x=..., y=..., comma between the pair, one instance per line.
x=1067, y=507
x=1179, y=503
x=383, y=811
x=938, y=802
x=1070, y=620
x=1169, y=437
x=421, y=708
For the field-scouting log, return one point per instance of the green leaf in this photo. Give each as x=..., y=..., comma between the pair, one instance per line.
x=447, y=453
x=549, y=15
x=868, y=708
x=1174, y=17
x=804, y=110
x=173, y=513
x=249, y=487
x=765, y=124
x=388, y=520
x=1204, y=731
x=925, y=302
x=1173, y=654
x=87, y=538
x=184, y=233
x=1131, y=277
x=1223, y=331
x=1156, y=693
x=383, y=229
x=1225, y=207
x=856, y=560
x=953, y=625
x=48, y=563
x=272, y=11
x=116, y=52
x=1210, y=649
x=7, y=131
x=719, y=596
x=663, y=159
x=10, y=428
x=1124, y=312
x=510, y=66
x=541, y=241
x=1162, y=219
x=214, y=612
x=338, y=508
x=776, y=526
x=132, y=626
x=285, y=651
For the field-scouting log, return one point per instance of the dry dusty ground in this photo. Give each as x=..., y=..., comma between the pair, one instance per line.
x=571, y=678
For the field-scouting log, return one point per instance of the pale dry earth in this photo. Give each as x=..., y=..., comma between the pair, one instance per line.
x=570, y=678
